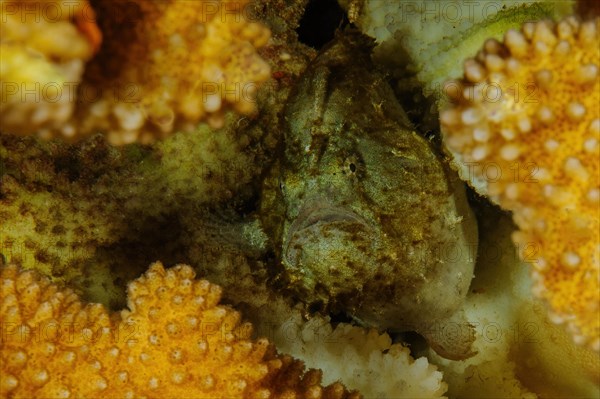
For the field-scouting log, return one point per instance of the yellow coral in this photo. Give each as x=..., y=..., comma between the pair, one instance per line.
x=524, y=128
x=175, y=340
x=165, y=65
x=44, y=46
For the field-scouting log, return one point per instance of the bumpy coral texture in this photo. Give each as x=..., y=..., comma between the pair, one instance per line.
x=44, y=47
x=174, y=340
x=358, y=357
x=63, y=206
x=437, y=33
x=165, y=65
x=525, y=128
x=162, y=66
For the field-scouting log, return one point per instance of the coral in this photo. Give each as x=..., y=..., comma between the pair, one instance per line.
x=162, y=67
x=43, y=55
x=79, y=212
x=422, y=41
x=518, y=348
x=76, y=211
x=528, y=109
x=435, y=33
x=174, y=340
x=167, y=65
x=357, y=357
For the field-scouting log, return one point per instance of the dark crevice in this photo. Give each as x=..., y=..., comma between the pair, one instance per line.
x=320, y=21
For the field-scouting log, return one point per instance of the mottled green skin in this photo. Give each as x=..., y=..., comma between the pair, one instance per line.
x=374, y=225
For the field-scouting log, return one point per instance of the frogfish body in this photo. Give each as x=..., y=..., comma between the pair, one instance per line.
x=375, y=224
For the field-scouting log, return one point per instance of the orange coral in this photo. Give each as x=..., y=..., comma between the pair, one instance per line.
x=175, y=340
x=161, y=66
x=524, y=127
x=166, y=65
x=43, y=54
x=85, y=20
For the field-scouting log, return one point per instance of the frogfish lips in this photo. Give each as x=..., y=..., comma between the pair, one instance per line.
x=322, y=231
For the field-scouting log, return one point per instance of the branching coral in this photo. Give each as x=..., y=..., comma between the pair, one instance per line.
x=422, y=41
x=525, y=129
x=433, y=34
x=174, y=340
x=93, y=206
x=43, y=55
x=163, y=66
x=167, y=65
x=358, y=356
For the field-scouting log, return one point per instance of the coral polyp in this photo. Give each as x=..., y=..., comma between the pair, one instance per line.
x=44, y=53
x=524, y=127
x=161, y=66
x=174, y=340
x=167, y=65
